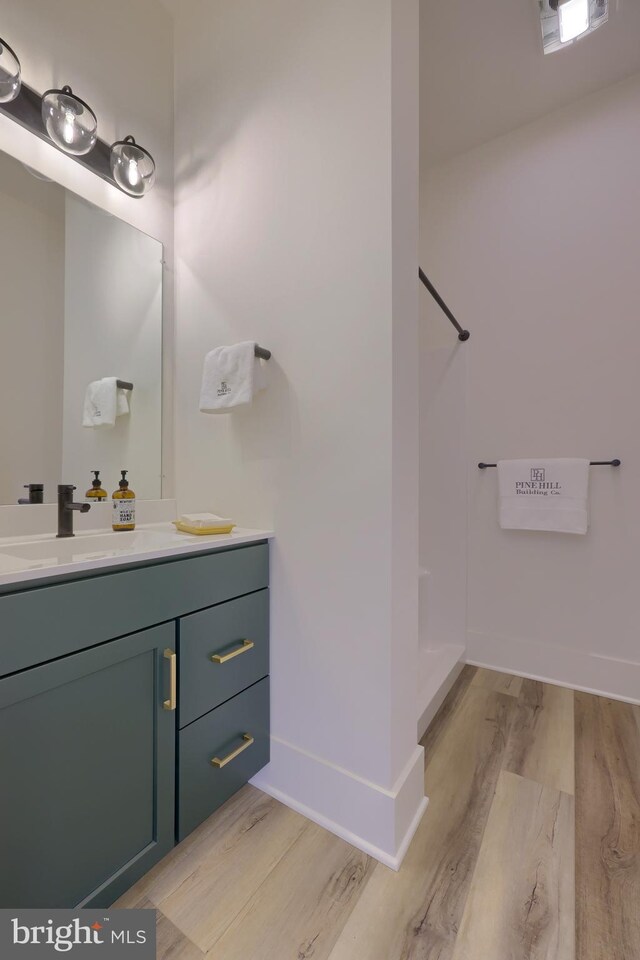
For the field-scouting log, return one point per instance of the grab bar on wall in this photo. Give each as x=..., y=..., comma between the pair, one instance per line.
x=594, y=463
x=462, y=333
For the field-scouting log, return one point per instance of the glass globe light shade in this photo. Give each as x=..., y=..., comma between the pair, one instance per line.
x=10, y=79
x=69, y=121
x=133, y=167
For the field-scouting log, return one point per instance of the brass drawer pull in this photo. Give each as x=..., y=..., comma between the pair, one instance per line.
x=170, y=704
x=219, y=763
x=244, y=647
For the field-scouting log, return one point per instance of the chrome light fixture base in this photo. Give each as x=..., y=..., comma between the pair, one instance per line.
x=566, y=21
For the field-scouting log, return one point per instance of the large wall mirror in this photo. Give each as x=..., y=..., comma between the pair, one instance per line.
x=81, y=303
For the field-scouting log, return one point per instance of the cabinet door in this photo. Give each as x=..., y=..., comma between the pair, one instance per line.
x=87, y=764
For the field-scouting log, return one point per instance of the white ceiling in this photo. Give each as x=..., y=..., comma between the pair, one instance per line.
x=483, y=71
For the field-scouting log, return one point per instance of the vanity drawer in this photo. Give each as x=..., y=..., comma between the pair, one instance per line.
x=37, y=625
x=236, y=634
x=222, y=735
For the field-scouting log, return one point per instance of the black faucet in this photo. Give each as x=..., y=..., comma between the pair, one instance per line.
x=66, y=508
x=36, y=493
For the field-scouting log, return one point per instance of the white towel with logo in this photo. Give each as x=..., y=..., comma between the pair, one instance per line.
x=103, y=402
x=231, y=377
x=544, y=495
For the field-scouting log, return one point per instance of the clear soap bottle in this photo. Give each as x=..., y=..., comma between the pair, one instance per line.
x=124, y=506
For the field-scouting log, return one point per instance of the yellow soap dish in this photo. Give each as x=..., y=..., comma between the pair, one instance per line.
x=202, y=531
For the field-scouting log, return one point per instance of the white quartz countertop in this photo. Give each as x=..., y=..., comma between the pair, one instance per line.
x=25, y=559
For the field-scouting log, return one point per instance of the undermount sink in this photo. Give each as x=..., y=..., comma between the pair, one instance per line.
x=51, y=552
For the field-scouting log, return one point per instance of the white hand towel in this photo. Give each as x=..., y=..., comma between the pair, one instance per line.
x=231, y=377
x=103, y=402
x=544, y=495
x=122, y=402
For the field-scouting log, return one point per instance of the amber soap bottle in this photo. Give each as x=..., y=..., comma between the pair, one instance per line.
x=96, y=492
x=124, y=506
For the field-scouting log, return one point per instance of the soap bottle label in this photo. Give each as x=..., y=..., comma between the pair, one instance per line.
x=124, y=512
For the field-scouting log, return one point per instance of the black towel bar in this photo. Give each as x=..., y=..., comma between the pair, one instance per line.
x=124, y=385
x=261, y=353
x=462, y=334
x=594, y=463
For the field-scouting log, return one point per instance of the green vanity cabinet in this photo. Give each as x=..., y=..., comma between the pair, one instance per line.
x=87, y=759
x=108, y=724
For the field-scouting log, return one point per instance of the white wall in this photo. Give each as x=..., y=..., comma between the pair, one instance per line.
x=296, y=225
x=119, y=57
x=112, y=328
x=443, y=468
x=443, y=498
x=32, y=324
x=538, y=234
x=484, y=73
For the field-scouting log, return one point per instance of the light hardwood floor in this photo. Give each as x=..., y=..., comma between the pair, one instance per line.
x=529, y=850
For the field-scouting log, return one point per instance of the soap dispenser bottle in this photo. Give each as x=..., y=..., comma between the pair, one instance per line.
x=124, y=506
x=96, y=492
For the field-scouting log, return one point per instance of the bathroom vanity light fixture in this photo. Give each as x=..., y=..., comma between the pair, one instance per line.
x=133, y=167
x=62, y=119
x=10, y=79
x=565, y=21
x=69, y=121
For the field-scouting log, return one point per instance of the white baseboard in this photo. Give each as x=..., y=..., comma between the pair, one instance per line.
x=378, y=821
x=562, y=666
x=396, y=862
x=439, y=670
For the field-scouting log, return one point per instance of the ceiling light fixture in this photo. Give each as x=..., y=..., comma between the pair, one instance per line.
x=565, y=21
x=574, y=19
x=133, y=167
x=10, y=79
x=69, y=121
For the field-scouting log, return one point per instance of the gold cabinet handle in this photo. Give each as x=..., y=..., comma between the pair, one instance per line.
x=170, y=704
x=244, y=647
x=219, y=763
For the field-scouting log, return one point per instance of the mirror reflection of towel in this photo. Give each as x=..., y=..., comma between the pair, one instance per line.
x=544, y=495
x=103, y=402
